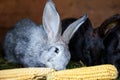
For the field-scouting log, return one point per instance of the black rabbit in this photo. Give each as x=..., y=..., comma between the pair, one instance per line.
x=112, y=41
x=112, y=47
x=96, y=46
x=85, y=43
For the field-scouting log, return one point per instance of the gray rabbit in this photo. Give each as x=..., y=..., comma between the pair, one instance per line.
x=41, y=45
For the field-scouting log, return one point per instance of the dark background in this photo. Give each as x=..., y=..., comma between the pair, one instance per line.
x=12, y=11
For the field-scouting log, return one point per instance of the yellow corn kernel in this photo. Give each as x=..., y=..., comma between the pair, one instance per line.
x=24, y=73
x=101, y=72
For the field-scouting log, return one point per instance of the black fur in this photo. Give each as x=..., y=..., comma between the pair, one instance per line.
x=96, y=46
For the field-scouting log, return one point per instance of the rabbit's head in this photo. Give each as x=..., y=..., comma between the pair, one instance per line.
x=57, y=54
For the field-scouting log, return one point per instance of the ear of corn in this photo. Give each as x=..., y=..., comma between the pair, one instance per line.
x=101, y=72
x=24, y=73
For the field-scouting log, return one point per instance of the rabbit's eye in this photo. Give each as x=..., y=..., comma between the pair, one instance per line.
x=56, y=50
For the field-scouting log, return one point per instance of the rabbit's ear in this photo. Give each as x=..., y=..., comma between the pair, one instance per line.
x=51, y=21
x=72, y=28
x=111, y=40
x=108, y=25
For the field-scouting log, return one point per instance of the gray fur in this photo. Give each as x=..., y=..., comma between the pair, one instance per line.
x=33, y=46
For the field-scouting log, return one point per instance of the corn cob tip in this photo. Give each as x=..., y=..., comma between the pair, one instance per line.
x=100, y=72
